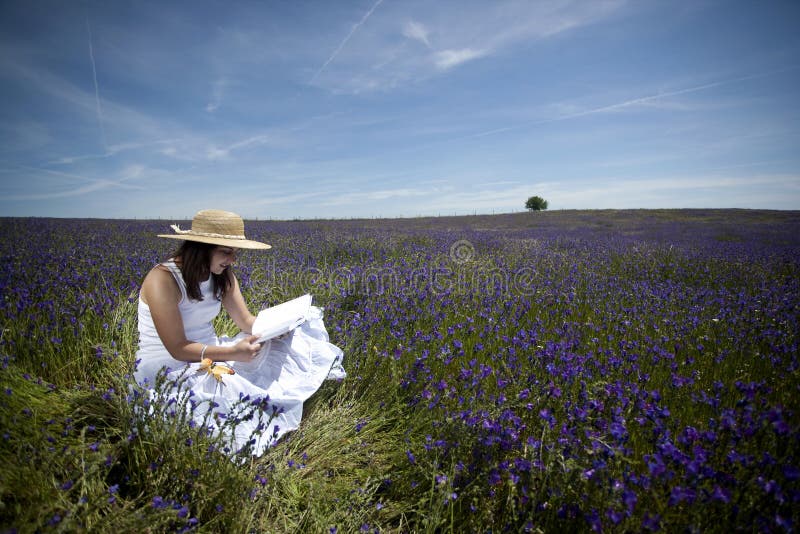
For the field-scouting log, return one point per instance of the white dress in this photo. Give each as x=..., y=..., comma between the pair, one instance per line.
x=286, y=372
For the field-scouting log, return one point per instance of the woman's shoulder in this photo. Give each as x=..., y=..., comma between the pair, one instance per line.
x=159, y=282
x=160, y=270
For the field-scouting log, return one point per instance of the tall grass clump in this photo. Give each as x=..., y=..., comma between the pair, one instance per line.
x=613, y=371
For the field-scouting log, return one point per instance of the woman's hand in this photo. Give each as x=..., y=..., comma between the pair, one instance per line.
x=247, y=349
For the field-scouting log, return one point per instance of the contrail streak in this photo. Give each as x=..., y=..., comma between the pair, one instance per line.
x=344, y=42
x=635, y=101
x=96, y=87
x=91, y=185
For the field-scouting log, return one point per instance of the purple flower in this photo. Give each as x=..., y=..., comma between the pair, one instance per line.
x=614, y=516
x=629, y=499
x=721, y=494
x=547, y=415
x=784, y=522
x=651, y=522
x=593, y=518
x=791, y=472
x=680, y=494
x=618, y=431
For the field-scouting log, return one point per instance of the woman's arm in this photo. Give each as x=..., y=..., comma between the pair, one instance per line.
x=161, y=294
x=236, y=306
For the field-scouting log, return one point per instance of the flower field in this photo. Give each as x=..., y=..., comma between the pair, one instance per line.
x=618, y=371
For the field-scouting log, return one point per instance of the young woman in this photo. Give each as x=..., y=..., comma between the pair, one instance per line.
x=178, y=301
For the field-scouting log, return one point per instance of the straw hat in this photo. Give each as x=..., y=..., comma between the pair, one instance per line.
x=216, y=227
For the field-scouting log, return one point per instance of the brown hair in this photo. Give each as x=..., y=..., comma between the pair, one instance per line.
x=194, y=259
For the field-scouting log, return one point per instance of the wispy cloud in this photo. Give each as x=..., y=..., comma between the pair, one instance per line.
x=447, y=59
x=570, y=112
x=162, y=146
x=359, y=197
x=24, y=134
x=416, y=31
x=277, y=138
x=139, y=128
x=400, y=92
x=690, y=190
x=217, y=91
x=96, y=86
x=70, y=189
x=344, y=41
x=659, y=96
x=41, y=79
x=452, y=37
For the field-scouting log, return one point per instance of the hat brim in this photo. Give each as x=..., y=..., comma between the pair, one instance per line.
x=233, y=243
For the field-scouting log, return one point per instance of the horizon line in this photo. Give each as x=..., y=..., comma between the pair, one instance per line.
x=405, y=217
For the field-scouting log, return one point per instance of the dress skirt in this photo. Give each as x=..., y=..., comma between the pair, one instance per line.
x=262, y=399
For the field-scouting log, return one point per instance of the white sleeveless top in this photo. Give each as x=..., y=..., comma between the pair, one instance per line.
x=197, y=316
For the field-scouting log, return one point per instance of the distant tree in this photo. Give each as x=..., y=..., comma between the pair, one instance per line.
x=536, y=204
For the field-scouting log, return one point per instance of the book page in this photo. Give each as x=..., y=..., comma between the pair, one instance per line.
x=278, y=320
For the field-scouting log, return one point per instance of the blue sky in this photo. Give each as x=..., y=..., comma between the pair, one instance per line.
x=396, y=108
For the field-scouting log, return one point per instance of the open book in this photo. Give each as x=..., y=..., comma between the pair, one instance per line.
x=278, y=320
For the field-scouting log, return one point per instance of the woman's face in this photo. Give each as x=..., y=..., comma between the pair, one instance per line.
x=221, y=258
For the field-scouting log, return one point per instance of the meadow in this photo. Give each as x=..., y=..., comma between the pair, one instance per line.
x=616, y=371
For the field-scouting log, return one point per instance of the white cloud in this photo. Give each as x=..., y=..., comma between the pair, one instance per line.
x=217, y=92
x=361, y=197
x=659, y=101
x=23, y=135
x=464, y=31
x=681, y=191
x=447, y=59
x=214, y=151
x=442, y=198
x=38, y=184
x=416, y=31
